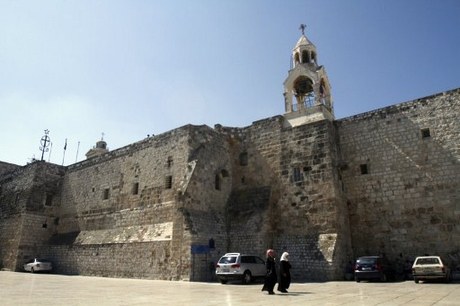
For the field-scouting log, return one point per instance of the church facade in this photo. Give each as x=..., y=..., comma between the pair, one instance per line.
x=326, y=190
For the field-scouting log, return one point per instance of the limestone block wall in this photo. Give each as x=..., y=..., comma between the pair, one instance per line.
x=203, y=200
x=401, y=176
x=126, y=200
x=10, y=233
x=314, y=216
x=255, y=157
x=27, y=210
x=7, y=168
x=128, y=260
x=295, y=200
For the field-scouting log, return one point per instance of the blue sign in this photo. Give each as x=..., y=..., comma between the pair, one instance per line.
x=200, y=249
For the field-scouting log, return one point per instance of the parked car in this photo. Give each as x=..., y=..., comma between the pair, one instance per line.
x=373, y=268
x=430, y=267
x=237, y=266
x=37, y=265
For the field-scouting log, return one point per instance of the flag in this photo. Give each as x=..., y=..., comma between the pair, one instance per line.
x=65, y=146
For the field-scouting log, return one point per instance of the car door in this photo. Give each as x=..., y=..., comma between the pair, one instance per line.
x=259, y=268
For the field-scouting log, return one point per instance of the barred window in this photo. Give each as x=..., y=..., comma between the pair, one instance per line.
x=168, y=182
x=297, y=175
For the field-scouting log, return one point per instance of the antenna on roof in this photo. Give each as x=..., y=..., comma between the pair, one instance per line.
x=78, y=148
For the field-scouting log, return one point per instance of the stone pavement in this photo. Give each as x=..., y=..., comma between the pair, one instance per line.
x=17, y=288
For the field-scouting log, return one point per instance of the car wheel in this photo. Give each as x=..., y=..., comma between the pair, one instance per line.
x=247, y=277
x=416, y=280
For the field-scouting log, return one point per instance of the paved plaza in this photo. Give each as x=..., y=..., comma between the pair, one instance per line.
x=17, y=288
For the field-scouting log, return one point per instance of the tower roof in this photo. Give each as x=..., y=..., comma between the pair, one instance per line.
x=303, y=41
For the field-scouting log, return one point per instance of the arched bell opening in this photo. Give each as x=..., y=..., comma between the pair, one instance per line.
x=313, y=57
x=296, y=59
x=303, y=91
x=325, y=97
x=305, y=57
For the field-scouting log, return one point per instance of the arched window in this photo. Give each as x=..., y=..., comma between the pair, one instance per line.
x=303, y=86
x=303, y=90
x=305, y=57
x=313, y=57
x=296, y=58
x=322, y=88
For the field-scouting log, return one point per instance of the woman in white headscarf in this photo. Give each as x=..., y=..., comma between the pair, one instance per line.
x=285, y=274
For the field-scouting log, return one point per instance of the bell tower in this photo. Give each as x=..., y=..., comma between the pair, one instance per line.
x=307, y=93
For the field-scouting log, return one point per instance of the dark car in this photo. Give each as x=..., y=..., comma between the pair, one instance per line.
x=373, y=268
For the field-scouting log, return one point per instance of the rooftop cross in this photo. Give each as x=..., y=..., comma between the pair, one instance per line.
x=302, y=28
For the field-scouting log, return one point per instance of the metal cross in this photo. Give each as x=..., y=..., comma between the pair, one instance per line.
x=302, y=28
x=45, y=142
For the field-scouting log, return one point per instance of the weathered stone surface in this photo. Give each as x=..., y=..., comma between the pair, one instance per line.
x=326, y=191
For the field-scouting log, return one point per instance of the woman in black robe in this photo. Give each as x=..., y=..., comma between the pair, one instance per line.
x=285, y=274
x=271, y=277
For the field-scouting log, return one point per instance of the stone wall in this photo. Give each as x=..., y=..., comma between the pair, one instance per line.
x=132, y=260
x=287, y=196
x=255, y=158
x=168, y=206
x=27, y=209
x=203, y=202
x=7, y=168
x=126, y=200
x=401, y=177
x=313, y=222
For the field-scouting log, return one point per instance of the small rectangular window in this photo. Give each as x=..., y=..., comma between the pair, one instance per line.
x=168, y=182
x=425, y=133
x=364, y=169
x=49, y=199
x=243, y=159
x=106, y=194
x=297, y=175
x=135, y=189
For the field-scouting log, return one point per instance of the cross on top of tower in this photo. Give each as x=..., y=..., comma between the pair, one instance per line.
x=302, y=28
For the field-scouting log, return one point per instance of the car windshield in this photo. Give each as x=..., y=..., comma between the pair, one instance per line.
x=427, y=261
x=227, y=260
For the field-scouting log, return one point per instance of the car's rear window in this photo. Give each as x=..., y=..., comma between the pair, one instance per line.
x=227, y=260
x=428, y=261
x=367, y=260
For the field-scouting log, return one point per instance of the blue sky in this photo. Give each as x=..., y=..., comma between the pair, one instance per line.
x=132, y=68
